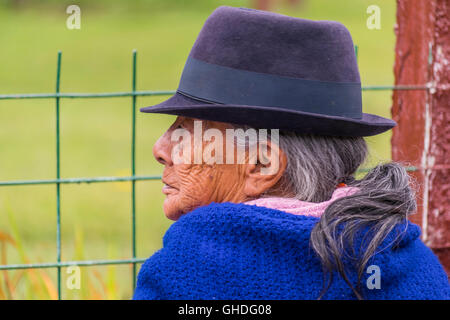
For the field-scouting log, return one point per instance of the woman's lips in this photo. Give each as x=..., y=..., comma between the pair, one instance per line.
x=168, y=189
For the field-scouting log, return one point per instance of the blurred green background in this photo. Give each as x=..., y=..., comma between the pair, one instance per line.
x=96, y=133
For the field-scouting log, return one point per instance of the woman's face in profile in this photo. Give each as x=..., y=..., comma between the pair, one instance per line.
x=190, y=185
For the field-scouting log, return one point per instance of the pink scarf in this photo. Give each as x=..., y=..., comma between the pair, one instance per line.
x=294, y=206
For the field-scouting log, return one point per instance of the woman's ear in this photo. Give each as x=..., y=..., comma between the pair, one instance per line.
x=264, y=173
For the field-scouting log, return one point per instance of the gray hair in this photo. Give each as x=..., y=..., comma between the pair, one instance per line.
x=316, y=165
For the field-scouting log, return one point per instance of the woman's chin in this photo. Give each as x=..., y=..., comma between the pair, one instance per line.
x=171, y=210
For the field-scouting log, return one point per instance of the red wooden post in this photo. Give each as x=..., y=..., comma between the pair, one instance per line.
x=422, y=137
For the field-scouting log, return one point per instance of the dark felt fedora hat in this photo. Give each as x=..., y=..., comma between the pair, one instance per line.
x=269, y=70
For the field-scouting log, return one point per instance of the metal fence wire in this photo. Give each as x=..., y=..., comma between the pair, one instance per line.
x=57, y=95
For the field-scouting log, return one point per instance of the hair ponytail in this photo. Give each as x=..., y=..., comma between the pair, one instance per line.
x=316, y=165
x=385, y=199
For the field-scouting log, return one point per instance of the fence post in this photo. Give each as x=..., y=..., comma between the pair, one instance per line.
x=423, y=135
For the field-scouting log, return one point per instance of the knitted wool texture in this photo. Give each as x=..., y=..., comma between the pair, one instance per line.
x=239, y=251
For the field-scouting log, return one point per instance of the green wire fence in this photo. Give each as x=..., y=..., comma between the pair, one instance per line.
x=57, y=95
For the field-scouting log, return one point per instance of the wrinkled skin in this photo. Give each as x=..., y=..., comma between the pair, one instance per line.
x=188, y=186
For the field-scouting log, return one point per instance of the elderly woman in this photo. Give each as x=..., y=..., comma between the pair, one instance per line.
x=259, y=174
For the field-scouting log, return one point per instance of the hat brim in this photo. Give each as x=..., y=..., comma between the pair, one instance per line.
x=273, y=117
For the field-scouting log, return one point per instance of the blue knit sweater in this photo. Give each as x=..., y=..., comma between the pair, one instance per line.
x=237, y=251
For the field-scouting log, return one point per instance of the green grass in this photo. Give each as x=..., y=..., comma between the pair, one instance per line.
x=96, y=133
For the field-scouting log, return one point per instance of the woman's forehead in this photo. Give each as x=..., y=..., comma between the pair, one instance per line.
x=204, y=123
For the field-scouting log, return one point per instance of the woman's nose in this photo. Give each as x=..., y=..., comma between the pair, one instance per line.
x=162, y=150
